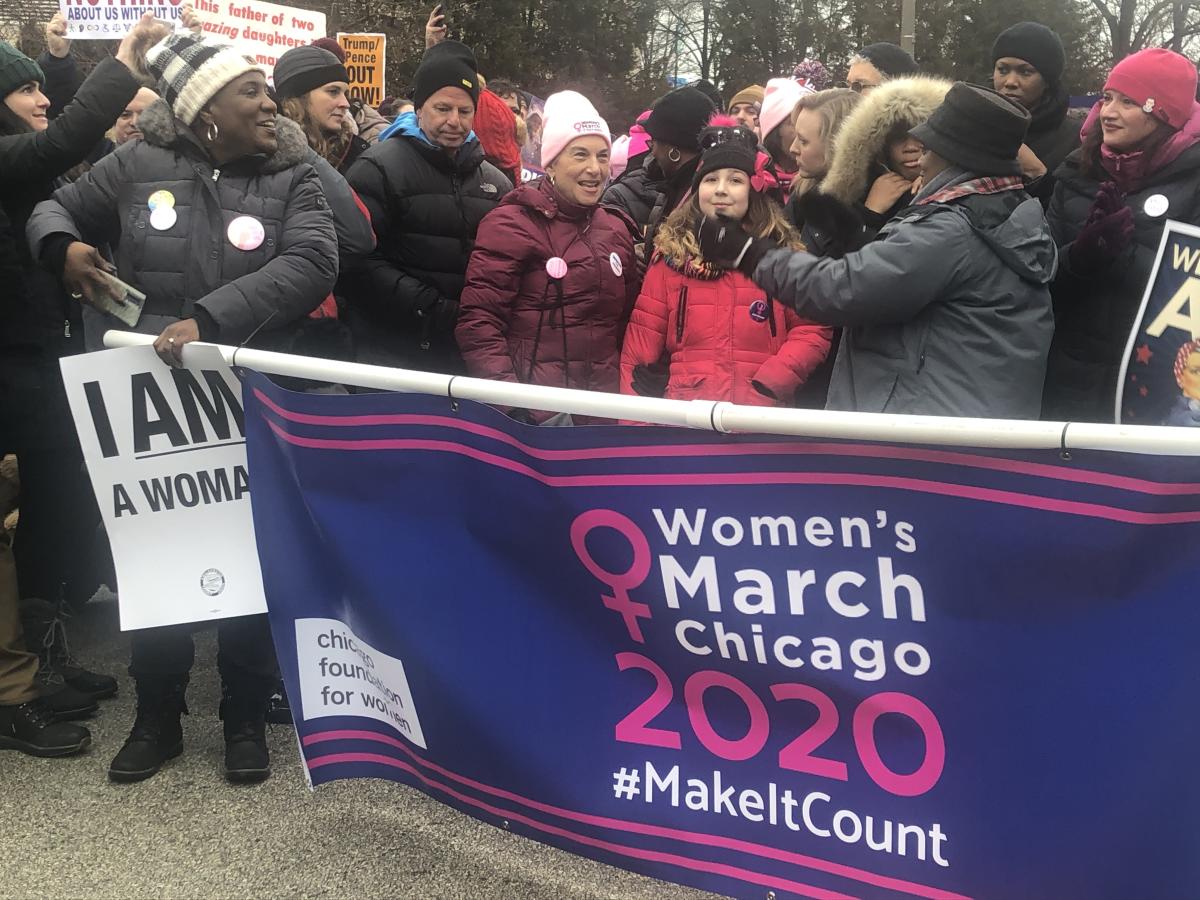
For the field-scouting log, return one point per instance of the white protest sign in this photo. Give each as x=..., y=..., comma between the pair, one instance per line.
x=263, y=31
x=166, y=452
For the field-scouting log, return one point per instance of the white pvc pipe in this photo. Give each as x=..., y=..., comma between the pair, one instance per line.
x=1008, y=434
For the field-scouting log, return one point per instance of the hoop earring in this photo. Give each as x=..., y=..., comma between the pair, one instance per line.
x=674, y=155
x=212, y=133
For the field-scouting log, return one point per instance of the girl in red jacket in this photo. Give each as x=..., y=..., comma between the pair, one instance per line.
x=723, y=337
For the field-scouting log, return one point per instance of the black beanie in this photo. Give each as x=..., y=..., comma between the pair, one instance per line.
x=726, y=144
x=304, y=69
x=1039, y=46
x=892, y=61
x=448, y=64
x=679, y=117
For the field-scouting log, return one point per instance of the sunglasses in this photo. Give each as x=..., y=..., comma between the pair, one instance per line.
x=738, y=135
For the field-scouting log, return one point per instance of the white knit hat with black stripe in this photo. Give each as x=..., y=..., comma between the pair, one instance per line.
x=190, y=71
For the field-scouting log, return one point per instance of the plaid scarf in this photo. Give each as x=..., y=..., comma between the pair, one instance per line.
x=987, y=185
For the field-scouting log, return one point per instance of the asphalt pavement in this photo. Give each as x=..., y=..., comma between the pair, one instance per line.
x=67, y=832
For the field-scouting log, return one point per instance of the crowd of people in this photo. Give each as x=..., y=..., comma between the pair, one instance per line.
x=896, y=243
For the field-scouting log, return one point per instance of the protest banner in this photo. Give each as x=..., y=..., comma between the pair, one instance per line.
x=165, y=450
x=1159, y=382
x=366, y=59
x=756, y=665
x=262, y=30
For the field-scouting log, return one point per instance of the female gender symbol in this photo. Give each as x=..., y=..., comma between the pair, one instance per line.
x=620, y=582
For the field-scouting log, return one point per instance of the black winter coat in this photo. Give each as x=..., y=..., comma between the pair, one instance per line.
x=192, y=265
x=635, y=192
x=402, y=302
x=38, y=320
x=1095, y=311
x=1053, y=136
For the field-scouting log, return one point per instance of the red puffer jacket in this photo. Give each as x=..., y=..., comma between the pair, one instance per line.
x=516, y=323
x=721, y=334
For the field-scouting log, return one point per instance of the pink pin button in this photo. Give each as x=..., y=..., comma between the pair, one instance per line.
x=556, y=267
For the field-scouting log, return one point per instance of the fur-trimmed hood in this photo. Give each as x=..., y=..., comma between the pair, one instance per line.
x=160, y=128
x=863, y=136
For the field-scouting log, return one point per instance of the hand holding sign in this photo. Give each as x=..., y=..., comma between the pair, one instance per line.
x=170, y=343
x=144, y=35
x=57, y=42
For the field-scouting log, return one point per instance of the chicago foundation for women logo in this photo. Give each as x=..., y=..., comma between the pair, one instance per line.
x=212, y=582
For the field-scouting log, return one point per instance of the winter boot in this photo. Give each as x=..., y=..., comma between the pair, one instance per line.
x=244, y=714
x=279, y=708
x=157, y=734
x=45, y=626
x=31, y=728
x=63, y=701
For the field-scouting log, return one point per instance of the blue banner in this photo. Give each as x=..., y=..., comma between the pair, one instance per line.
x=748, y=664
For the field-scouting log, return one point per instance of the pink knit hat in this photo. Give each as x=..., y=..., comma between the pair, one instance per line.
x=781, y=98
x=1163, y=82
x=569, y=115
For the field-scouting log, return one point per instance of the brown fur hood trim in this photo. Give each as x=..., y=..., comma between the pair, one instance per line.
x=863, y=136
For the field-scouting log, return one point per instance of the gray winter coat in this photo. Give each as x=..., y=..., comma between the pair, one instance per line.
x=192, y=264
x=947, y=313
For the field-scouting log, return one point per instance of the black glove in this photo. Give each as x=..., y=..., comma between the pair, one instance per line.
x=442, y=316
x=763, y=389
x=724, y=243
x=651, y=380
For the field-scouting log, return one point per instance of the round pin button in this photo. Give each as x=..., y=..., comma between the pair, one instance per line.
x=246, y=233
x=161, y=199
x=163, y=218
x=758, y=311
x=556, y=267
x=1156, y=205
x=615, y=261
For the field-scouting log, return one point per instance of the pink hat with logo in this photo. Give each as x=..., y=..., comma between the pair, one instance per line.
x=1163, y=82
x=781, y=98
x=569, y=115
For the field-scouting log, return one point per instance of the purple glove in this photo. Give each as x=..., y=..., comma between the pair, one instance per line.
x=1107, y=231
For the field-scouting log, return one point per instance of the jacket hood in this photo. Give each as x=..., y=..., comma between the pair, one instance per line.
x=1023, y=242
x=863, y=136
x=160, y=128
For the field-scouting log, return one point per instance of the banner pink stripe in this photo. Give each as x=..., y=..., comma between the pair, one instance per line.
x=711, y=840
x=711, y=479
x=804, y=890
x=868, y=451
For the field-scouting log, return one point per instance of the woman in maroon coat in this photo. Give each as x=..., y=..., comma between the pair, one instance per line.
x=553, y=277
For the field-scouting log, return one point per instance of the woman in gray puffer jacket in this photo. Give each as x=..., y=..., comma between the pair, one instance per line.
x=218, y=216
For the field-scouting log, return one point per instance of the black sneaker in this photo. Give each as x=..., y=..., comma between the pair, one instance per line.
x=31, y=728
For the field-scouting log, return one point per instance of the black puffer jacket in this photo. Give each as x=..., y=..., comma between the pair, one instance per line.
x=1094, y=311
x=402, y=302
x=635, y=192
x=192, y=265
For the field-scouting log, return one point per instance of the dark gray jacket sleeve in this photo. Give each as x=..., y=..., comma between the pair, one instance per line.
x=886, y=282
x=354, y=235
x=295, y=281
x=86, y=209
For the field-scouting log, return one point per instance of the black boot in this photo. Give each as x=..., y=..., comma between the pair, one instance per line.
x=279, y=708
x=30, y=728
x=244, y=714
x=63, y=701
x=157, y=734
x=45, y=626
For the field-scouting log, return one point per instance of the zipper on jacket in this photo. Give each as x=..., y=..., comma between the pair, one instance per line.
x=681, y=315
x=66, y=328
x=216, y=174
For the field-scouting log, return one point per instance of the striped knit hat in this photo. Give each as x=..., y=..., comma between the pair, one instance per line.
x=191, y=71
